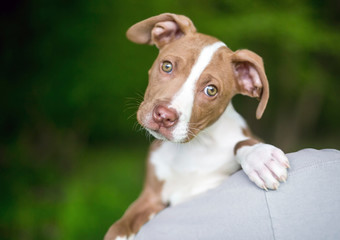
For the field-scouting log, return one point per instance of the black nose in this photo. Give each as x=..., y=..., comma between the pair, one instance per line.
x=165, y=116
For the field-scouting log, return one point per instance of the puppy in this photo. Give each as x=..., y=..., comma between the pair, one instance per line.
x=200, y=138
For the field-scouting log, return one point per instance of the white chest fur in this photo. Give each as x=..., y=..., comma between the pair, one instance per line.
x=188, y=169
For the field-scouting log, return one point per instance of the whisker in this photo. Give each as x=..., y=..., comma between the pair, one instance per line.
x=133, y=102
x=137, y=127
x=148, y=135
x=132, y=115
x=192, y=127
x=131, y=106
x=140, y=95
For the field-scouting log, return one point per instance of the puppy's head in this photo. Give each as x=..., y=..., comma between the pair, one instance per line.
x=193, y=78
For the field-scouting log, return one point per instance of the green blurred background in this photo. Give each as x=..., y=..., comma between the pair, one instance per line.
x=71, y=153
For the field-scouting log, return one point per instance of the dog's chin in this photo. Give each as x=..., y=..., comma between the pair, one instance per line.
x=167, y=136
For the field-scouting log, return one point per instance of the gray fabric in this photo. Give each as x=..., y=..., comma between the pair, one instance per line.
x=306, y=207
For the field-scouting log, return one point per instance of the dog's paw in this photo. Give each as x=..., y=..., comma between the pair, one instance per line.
x=119, y=231
x=131, y=237
x=264, y=164
x=120, y=237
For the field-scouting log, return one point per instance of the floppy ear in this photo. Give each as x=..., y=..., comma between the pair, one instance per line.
x=250, y=77
x=160, y=30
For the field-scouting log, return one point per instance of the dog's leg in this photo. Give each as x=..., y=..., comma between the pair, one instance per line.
x=265, y=165
x=141, y=211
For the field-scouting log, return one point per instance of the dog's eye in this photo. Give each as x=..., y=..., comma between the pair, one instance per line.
x=167, y=66
x=210, y=90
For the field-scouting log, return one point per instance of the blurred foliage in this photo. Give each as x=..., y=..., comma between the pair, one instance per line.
x=71, y=153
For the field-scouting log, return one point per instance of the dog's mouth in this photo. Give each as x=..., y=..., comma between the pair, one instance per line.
x=161, y=134
x=174, y=134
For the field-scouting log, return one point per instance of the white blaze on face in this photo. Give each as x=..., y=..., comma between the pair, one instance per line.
x=183, y=101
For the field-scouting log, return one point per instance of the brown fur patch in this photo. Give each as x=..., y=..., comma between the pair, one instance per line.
x=248, y=142
x=148, y=203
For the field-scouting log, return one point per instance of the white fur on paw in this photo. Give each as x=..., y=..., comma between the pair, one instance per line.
x=121, y=238
x=152, y=216
x=264, y=164
x=131, y=237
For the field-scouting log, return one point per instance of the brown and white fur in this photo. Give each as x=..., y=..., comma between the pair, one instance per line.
x=200, y=138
